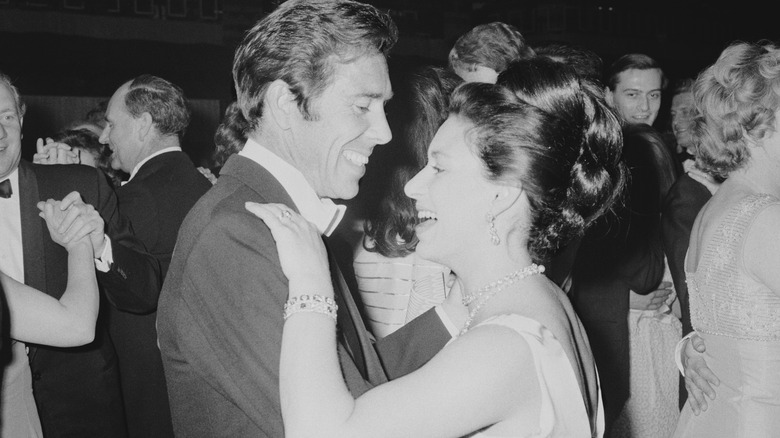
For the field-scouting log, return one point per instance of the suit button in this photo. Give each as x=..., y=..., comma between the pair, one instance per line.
x=36, y=376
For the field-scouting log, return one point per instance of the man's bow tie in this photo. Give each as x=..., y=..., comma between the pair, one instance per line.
x=5, y=189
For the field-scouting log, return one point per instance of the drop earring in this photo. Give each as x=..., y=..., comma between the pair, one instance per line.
x=494, y=239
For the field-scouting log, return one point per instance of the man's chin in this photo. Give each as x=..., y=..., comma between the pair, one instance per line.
x=346, y=193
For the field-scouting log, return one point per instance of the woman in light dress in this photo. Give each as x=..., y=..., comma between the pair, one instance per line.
x=41, y=319
x=734, y=252
x=508, y=182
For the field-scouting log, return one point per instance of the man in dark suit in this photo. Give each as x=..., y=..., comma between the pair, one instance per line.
x=220, y=312
x=76, y=389
x=620, y=263
x=146, y=118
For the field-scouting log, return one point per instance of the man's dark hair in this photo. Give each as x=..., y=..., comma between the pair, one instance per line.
x=299, y=43
x=163, y=100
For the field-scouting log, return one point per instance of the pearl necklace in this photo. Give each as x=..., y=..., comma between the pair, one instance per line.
x=485, y=293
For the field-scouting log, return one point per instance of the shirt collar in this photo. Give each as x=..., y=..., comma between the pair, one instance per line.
x=145, y=160
x=322, y=212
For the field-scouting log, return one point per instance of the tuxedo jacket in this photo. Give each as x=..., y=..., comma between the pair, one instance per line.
x=155, y=202
x=77, y=389
x=220, y=320
x=622, y=252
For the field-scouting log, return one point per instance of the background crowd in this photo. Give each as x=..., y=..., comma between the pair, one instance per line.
x=541, y=252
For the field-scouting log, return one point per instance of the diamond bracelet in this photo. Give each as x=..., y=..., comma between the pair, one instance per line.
x=311, y=303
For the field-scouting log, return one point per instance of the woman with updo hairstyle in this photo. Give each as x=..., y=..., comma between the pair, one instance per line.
x=734, y=252
x=506, y=184
x=230, y=136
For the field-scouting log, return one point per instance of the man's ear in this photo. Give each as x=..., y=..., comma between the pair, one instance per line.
x=280, y=103
x=143, y=126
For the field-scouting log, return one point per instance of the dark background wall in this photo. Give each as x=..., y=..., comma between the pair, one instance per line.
x=61, y=51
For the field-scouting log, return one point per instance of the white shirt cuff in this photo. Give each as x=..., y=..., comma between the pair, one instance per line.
x=678, y=352
x=106, y=259
x=445, y=319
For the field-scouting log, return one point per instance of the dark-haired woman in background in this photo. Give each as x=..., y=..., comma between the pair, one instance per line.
x=506, y=184
x=395, y=284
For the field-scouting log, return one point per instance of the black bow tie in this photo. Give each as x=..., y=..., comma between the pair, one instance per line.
x=5, y=189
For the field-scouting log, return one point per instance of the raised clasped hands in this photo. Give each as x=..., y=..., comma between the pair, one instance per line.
x=70, y=220
x=52, y=152
x=302, y=253
x=699, y=378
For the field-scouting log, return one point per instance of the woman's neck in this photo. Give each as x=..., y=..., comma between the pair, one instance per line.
x=488, y=269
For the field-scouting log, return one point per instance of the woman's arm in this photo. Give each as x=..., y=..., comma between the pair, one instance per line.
x=478, y=380
x=67, y=322
x=42, y=319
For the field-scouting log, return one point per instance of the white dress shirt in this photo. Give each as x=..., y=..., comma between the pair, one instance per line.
x=322, y=212
x=11, y=250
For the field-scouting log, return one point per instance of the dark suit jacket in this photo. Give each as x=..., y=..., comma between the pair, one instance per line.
x=622, y=251
x=77, y=389
x=220, y=317
x=686, y=197
x=155, y=201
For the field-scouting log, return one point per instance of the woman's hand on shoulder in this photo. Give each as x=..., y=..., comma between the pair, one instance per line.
x=301, y=250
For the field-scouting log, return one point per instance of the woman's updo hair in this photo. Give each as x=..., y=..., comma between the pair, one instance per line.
x=736, y=98
x=231, y=135
x=552, y=132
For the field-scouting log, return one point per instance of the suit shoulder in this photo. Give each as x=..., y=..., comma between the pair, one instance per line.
x=65, y=173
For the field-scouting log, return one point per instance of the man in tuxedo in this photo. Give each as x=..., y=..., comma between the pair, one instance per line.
x=76, y=389
x=312, y=81
x=146, y=118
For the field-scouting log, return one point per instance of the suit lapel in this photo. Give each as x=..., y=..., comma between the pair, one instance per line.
x=33, y=228
x=353, y=330
x=353, y=334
